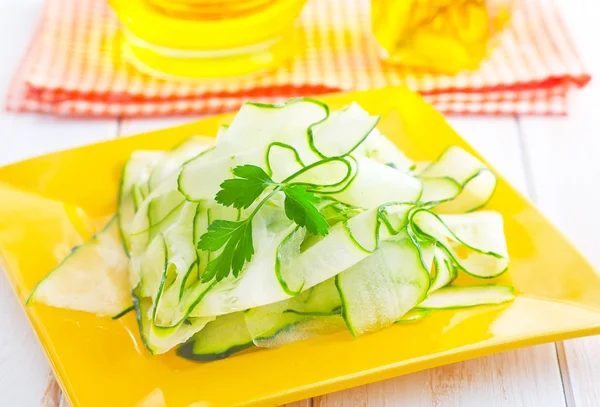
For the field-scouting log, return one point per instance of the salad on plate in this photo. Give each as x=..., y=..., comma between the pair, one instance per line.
x=295, y=221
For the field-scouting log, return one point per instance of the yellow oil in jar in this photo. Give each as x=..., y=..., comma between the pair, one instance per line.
x=204, y=39
x=438, y=35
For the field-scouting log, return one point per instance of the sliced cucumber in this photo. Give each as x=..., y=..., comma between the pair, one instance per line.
x=468, y=296
x=328, y=257
x=364, y=230
x=302, y=327
x=298, y=121
x=136, y=172
x=138, y=196
x=330, y=175
x=426, y=252
x=163, y=198
x=476, y=192
x=181, y=256
x=379, y=290
x=455, y=163
x=394, y=216
x=123, y=312
x=144, y=172
x=381, y=149
x=445, y=271
x=92, y=278
x=156, y=214
x=414, y=315
x=259, y=124
x=172, y=161
x=260, y=281
x=282, y=160
x=377, y=184
x=158, y=344
x=194, y=145
x=372, y=268
x=164, y=268
x=475, y=242
x=221, y=132
x=419, y=166
x=315, y=311
x=146, y=270
x=439, y=190
x=477, y=182
x=303, y=127
x=219, y=339
x=352, y=121
x=287, y=251
x=218, y=167
x=346, y=244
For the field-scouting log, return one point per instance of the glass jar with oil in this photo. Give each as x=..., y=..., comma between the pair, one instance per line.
x=204, y=39
x=438, y=35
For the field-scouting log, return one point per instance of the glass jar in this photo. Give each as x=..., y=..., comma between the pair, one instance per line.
x=438, y=35
x=207, y=38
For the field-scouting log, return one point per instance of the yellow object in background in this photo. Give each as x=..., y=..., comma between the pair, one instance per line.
x=438, y=35
x=207, y=38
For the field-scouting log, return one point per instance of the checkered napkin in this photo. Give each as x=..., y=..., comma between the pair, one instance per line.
x=73, y=67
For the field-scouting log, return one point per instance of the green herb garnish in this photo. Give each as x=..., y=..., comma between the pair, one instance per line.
x=299, y=207
x=235, y=237
x=241, y=192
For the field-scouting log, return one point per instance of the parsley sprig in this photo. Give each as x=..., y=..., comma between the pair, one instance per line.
x=235, y=237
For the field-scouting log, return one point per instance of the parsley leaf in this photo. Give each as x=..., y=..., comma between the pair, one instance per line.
x=237, y=239
x=299, y=207
x=234, y=238
x=241, y=192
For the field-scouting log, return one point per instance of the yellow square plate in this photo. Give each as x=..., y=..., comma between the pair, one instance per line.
x=51, y=203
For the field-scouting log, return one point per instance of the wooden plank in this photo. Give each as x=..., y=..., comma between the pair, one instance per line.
x=23, y=366
x=563, y=158
x=523, y=377
x=527, y=377
x=303, y=403
x=564, y=161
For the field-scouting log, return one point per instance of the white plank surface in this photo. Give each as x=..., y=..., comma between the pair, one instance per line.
x=23, y=366
x=563, y=161
x=565, y=171
x=522, y=378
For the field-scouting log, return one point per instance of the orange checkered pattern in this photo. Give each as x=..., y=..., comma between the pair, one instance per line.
x=73, y=68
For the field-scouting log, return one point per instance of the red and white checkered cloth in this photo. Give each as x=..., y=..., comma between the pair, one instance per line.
x=70, y=67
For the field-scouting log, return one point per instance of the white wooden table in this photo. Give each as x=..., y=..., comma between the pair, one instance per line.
x=556, y=161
